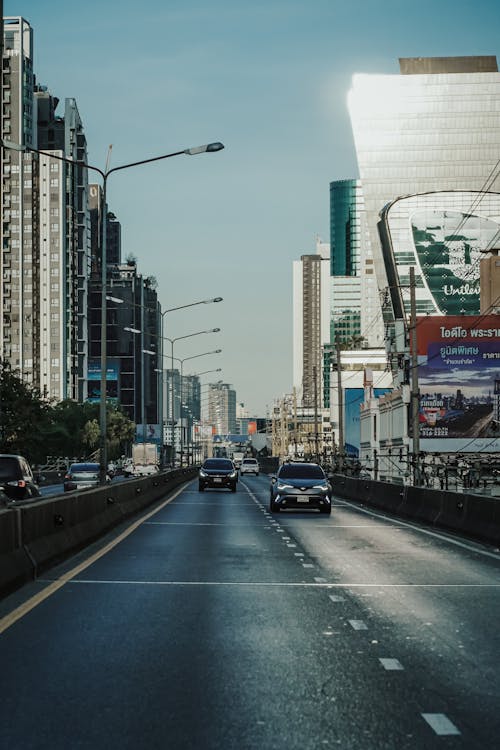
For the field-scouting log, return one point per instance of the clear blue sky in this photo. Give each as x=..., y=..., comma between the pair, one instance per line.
x=269, y=79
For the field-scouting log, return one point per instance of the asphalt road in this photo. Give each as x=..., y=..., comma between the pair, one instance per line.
x=214, y=625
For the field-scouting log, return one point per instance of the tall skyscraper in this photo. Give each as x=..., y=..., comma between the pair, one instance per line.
x=44, y=228
x=311, y=312
x=222, y=408
x=427, y=144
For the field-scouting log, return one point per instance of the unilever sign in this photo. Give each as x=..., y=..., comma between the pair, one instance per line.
x=448, y=246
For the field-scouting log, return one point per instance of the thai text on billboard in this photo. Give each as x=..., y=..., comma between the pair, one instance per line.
x=459, y=377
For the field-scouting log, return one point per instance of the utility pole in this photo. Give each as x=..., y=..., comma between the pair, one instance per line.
x=316, y=435
x=415, y=392
x=340, y=403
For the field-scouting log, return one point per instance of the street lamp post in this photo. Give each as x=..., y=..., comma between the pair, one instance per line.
x=185, y=359
x=162, y=332
x=105, y=174
x=172, y=405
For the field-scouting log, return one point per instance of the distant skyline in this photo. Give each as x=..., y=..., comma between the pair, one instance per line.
x=270, y=80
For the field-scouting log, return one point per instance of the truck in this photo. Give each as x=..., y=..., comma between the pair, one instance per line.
x=145, y=459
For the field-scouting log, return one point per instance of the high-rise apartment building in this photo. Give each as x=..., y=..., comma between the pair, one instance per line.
x=311, y=321
x=222, y=408
x=44, y=228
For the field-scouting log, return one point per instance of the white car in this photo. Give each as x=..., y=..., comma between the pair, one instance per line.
x=249, y=466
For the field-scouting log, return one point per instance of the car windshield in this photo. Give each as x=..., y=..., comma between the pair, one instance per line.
x=301, y=471
x=9, y=468
x=218, y=463
x=249, y=461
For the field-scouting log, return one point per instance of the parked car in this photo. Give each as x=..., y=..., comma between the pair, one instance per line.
x=249, y=466
x=16, y=478
x=82, y=476
x=300, y=485
x=218, y=472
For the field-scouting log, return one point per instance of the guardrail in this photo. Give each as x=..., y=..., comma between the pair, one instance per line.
x=474, y=516
x=35, y=535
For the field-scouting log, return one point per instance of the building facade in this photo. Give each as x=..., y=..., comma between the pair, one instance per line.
x=222, y=408
x=45, y=241
x=311, y=322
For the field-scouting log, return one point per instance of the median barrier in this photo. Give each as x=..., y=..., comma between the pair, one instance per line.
x=35, y=536
x=15, y=564
x=471, y=515
x=422, y=504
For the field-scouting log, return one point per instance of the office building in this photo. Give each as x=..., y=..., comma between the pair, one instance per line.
x=133, y=345
x=352, y=275
x=420, y=137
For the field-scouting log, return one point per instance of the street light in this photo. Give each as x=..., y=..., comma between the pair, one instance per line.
x=105, y=174
x=173, y=309
x=172, y=342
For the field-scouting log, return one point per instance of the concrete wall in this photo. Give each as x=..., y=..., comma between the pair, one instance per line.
x=473, y=516
x=34, y=536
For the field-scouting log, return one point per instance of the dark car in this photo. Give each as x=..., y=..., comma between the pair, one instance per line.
x=301, y=485
x=218, y=472
x=16, y=478
x=82, y=476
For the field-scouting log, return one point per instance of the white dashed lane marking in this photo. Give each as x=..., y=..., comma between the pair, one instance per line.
x=391, y=664
x=336, y=598
x=358, y=625
x=441, y=724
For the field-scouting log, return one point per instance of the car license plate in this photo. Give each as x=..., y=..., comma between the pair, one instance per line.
x=302, y=499
x=217, y=479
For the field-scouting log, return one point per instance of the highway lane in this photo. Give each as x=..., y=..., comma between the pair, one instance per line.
x=216, y=625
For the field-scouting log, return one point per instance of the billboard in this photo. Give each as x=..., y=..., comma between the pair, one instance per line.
x=94, y=381
x=148, y=433
x=459, y=377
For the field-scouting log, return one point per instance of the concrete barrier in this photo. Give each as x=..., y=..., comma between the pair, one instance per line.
x=422, y=504
x=15, y=565
x=473, y=516
x=35, y=536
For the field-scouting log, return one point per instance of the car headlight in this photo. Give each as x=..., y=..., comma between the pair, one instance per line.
x=285, y=486
x=202, y=473
x=322, y=487
x=233, y=474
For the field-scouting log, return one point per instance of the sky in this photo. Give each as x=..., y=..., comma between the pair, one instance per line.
x=269, y=79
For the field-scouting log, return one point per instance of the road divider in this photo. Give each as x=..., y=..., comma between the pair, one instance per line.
x=36, y=535
x=473, y=516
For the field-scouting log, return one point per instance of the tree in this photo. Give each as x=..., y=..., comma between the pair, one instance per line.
x=24, y=416
x=120, y=432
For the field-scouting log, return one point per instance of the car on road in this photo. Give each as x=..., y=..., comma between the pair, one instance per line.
x=300, y=485
x=82, y=476
x=249, y=466
x=16, y=478
x=217, y=473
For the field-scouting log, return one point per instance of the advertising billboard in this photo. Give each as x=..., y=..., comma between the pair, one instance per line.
x=148, y=433
x=458, y=374
x=94, y=381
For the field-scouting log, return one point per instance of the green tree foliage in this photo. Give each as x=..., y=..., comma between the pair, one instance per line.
x=36, y=428
x=24, y=417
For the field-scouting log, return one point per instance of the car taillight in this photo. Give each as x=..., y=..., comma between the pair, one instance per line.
x=68, y=476
x=17, y=483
